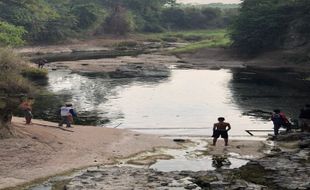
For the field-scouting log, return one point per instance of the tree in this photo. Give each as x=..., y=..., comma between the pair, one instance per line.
x=12, y=86
x=87, y=14
x=31, y=14
x=263, y=24
x=119, y=21
x=11, y=35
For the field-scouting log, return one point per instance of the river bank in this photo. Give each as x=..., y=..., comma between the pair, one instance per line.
x=285, y=166
x=67, y=153
x=216, y=58
x=42, y=149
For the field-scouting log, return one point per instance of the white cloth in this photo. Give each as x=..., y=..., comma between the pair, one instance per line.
x=65, y=111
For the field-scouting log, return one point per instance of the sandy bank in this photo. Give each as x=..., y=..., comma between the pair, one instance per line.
x=42, y=149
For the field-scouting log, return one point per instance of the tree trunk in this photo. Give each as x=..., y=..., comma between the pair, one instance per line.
x=6, y=130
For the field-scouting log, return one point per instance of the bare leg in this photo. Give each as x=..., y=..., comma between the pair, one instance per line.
x=214, y=141
x=62, y=121
x=226, y=142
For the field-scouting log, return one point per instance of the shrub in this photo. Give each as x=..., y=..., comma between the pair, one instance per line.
x=120, y=22
x=11, y=66
x=11, y=35
x=34, y=73
x=128, y=44
x=169, y=39
x=153, y=40
x=193, y=38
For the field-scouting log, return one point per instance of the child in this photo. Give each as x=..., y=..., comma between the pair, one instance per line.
x=221, y=129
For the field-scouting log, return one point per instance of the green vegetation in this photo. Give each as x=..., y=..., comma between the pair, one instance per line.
x=270, y=24
x=129, y=43
x=207, y=39
x=11, y=35
x=34, y=73
x=13, y=86
x=223, y=6
x=41, y=21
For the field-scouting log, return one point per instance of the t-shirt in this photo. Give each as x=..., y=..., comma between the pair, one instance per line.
x=65, y=111
x=277, y=119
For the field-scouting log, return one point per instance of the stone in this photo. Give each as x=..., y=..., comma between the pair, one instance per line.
x=304, y=144
x=179, y=140
x=191, y=186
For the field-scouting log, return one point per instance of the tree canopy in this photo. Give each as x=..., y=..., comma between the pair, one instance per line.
x=56, y=20
x=267, y=24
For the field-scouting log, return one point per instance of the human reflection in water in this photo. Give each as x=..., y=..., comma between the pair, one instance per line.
x=304, y=118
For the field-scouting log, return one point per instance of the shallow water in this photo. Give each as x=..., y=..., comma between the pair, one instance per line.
x=193, y=159
x=190, y=158
x=185, y=104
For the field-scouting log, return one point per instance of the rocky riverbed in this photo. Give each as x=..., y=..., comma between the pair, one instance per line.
x=144, y=65
x=286, y=166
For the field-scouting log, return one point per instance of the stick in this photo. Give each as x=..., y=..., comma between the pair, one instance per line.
x=249, y=132
x=262, y=130
x=118, y=125
x=56, y=127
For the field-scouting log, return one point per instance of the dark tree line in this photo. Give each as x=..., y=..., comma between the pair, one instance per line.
x=263, y=25
x=56, y=20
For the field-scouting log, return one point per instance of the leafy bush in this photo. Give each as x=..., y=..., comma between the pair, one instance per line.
x=264, y=24
x=128, y=44
x=120, y=22
x=210, y=39
x=11, y=35
x=34, y=73
x=12, y=87
x=11, y=66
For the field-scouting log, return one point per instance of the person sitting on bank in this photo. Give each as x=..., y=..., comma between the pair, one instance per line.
x=221, y=129
x=304, y=118
x=67, y=113
x=279, y=120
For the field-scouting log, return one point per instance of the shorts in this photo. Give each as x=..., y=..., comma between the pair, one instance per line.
x=218, y=133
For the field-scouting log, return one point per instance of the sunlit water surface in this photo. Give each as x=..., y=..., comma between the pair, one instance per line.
x=187, y=103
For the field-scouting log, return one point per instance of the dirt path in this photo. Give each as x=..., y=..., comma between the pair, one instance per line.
x=42, y=149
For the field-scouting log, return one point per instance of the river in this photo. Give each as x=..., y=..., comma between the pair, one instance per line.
x=185, y=104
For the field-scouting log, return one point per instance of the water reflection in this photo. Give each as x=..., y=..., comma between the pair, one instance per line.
x=187, y=103
x=87, y=93
x=266, y=90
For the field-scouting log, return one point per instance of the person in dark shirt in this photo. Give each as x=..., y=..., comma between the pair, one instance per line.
x=304, y=118
x=279, y=120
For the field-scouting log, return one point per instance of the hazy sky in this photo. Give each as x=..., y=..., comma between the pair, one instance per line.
x=208, y=1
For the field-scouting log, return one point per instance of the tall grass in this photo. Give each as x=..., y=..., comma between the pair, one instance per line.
x=210, y=39
x=10, y=78
x=196, y=39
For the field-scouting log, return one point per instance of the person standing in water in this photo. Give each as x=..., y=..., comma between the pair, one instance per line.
x=221, y=129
